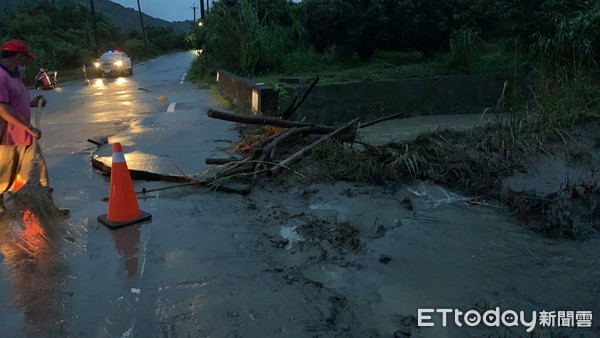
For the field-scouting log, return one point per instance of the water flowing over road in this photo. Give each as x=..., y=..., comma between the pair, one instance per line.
x=296, y=260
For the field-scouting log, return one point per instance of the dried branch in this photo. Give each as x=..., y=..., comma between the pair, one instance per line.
x=286, y=114
x=304, y=150
x=260, y=120
x=220, y=161
x=382, y=119
x=270, y=150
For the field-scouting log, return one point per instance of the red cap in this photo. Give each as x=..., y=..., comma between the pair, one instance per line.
x=19, y=47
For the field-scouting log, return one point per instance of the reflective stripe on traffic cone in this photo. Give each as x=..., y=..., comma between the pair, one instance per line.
x=123, y=208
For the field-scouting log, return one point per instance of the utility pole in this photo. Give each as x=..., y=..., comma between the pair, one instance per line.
x=142, y=22
x=194, y=8
x=202, y=12
x=94, y=25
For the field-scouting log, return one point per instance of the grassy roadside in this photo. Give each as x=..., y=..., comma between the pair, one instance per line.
x=384, y=66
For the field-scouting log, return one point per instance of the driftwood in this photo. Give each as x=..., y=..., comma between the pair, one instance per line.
x=268, y=150
x=293, y=107
x=312, y=145
x=263, y=155
x=208, y=184
x=271, y=153
x=258, y=120
x=265, y=158
x=382, y=119
x=219, y=161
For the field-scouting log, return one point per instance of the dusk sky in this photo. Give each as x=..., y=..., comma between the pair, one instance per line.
x=169, y=10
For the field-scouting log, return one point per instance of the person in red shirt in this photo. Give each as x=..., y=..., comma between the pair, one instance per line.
x=17, y=149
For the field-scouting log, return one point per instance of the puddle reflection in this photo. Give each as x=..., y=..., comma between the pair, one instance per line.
x=27, y=245
x=127, y=241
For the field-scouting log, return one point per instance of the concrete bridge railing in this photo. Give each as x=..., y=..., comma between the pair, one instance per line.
x=342, y=102
x=255, y=96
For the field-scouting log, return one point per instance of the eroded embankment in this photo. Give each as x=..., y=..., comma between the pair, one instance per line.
x=489, y=163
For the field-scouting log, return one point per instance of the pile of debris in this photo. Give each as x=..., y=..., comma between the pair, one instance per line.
x=279, y=137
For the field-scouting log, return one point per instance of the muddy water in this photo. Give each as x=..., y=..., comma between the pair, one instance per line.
x=31, y=274
x=548, y=174
x=293, y=259
x=444, y=253
x=301, y=260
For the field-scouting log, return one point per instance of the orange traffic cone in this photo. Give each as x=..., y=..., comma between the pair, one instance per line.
x=123, y=208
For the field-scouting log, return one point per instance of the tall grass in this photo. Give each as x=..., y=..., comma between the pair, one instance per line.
x=565, y=64
x=575, y=44
x=241, y=42
x=464, y=46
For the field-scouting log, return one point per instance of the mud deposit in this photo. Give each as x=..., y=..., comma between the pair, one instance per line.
x=302, y=258
x=556, y=198
x=367, y=258
x=292, y=259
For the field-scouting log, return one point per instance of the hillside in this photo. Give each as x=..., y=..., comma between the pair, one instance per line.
x=128, y=19
x=125, y=18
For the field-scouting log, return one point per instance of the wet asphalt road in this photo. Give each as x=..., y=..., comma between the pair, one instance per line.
x=75, y=277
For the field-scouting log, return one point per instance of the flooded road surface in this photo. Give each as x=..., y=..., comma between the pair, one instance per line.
x=30, y=292
x=212, y=264
x=293, y=259
x=446, y=253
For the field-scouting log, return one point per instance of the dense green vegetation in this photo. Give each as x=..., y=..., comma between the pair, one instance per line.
x=549, y=48
x=553, y=44
x=254, y=37
x=64, y=39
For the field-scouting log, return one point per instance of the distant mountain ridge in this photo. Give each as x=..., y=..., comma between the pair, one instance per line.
x=126, y=19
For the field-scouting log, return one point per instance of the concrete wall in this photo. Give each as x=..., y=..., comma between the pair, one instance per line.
x=337, y=103
x=235, y=87
x=457, y=94
x=245, y=92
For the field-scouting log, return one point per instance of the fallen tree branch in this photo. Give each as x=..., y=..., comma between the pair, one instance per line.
x=236, y=167
x=304, y=150
x=286, y=114
x=139, y=174
x=206, y=184
x=382, y=119
x=95, y=142
x=219, y=161
x=313, y=129
x=260, y=120
x=270, y=150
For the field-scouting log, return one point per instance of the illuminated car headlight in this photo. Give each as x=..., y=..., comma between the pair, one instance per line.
x=119, y=63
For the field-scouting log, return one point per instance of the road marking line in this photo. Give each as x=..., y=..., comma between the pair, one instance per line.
x=171, y=108
x=182, y=78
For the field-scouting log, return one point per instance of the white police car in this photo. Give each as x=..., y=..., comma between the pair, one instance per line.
x=114, y=62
